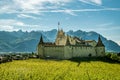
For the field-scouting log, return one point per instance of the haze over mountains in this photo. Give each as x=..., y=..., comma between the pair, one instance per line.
x=19, y=41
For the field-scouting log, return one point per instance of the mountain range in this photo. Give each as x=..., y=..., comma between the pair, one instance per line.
x=19, y=41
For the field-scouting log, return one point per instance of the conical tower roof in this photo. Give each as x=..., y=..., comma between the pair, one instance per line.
x=41, y=40
x=100, y=44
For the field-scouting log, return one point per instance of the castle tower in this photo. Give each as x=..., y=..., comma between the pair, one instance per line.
x=60, y=39
x=60, y=31
x=40, y=51
x=100, y=48
x=68, y=41
x=99, y=43
x=41, y=40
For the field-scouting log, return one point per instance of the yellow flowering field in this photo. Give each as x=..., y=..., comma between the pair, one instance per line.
x=38, y=69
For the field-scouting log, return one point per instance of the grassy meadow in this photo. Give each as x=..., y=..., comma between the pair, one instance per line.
x=38, y=69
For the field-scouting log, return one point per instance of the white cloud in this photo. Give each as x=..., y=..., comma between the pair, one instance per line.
x=15, y=25
x=67, y=11
x=10, y=22
x=70, y=11
x=73, y=11
x=118, y=42
x=6, y=28
x=105, y=24
x=92, y=2
x=97, y=1
x=26, y=6
x=26, y=16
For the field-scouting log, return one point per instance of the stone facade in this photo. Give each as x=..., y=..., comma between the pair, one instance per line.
x=66, y=47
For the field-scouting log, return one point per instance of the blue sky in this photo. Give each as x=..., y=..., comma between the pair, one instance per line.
x=102, y=16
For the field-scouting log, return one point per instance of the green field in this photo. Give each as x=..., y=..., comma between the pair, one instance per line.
x=38, y=69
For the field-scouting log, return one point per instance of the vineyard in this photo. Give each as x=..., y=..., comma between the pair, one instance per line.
x=38, y=69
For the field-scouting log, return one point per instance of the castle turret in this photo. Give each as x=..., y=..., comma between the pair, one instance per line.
x=40, y=50
x=61, y=38
x=99, y=43
x=41, y=40
x=100, y=48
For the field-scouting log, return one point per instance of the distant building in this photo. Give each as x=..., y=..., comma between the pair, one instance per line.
x=66, y=47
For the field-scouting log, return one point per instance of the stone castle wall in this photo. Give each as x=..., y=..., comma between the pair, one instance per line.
x=54, y=52
x=79, y=51
x=67, y=52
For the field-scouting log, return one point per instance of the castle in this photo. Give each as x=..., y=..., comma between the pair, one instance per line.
x=66, y=47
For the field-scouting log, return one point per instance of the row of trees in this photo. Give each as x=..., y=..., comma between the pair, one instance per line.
x=113, y=56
